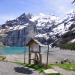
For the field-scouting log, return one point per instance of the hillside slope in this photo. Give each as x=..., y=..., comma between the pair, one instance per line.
x=46, y=28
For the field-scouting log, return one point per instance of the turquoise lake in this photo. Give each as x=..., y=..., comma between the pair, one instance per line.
x=12, y=50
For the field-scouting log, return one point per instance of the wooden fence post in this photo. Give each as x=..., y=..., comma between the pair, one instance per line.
x=47, y=56
x=29, y=56
x=24, y=56
x=40, y=57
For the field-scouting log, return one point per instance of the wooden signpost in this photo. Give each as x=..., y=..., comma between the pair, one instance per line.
x=35, y=48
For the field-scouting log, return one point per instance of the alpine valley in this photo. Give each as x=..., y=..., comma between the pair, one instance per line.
x=48, y=29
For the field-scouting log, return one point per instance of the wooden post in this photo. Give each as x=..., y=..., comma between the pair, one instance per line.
x=47, y=57
x=35, y=59
x=40, y=57
x=24, y=56
x=29, y=56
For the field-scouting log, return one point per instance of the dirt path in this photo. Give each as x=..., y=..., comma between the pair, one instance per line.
x=63, y=71
x=7, y=68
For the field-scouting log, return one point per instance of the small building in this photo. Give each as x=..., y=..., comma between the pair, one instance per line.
x=34, y=45
x=35, y=48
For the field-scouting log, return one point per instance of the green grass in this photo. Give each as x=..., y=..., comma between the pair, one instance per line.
x=38, y=67
x=70, y=46
x=2, y=58
x=64, y=66
x=55, y=74
x=41, y=68
x=67, y=66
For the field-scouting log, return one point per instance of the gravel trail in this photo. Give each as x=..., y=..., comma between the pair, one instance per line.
x=7, y=68
x=63, y=71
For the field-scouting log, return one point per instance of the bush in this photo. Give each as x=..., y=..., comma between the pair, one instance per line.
x=38, y=67
x=70, y=46
x=55, y=74
x=70, y=67
x=2, y=58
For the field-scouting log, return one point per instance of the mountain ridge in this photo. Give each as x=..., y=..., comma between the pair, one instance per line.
x=46, y=28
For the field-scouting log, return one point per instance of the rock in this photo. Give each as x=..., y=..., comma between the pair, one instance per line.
x=50, y=71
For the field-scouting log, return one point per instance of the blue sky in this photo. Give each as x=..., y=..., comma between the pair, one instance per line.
x=10, y=9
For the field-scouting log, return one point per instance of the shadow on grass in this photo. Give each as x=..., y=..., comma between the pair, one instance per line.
x=23, y=70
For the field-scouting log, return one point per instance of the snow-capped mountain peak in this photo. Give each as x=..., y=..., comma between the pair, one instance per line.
x=44, y=20
x=45, y=26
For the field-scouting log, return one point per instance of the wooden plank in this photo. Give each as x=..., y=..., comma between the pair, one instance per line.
x=24, y=56
x=34, y=51
x=32, y=59
x=40, y=57
x=47, y=55
x=29, y=56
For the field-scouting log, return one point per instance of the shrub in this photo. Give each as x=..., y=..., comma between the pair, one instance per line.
x=55, y=74
x=70, y=46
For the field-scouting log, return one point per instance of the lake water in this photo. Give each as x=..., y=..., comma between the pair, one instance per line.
x=12, y=50
x=17, y=50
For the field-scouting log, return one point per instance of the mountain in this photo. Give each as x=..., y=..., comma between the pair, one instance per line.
x=53, y=28
x=48, y=29
x=17, y=32
x=70, y=32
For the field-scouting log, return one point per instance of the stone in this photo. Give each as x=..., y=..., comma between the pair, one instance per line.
x=50, y=71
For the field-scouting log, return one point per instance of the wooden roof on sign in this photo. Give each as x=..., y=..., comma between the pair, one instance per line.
x=34, y=41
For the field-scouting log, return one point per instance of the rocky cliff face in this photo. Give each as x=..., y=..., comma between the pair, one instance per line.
x=46, y=28
x=17, y=31
x=19, y=37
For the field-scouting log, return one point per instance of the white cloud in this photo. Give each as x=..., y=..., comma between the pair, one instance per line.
x=4, y=18
x=60, y=6
x=55, y=7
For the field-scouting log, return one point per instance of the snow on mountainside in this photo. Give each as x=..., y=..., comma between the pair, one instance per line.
x=18, y=27
x=53, y=27
x=53, y=24
x=45, y=20
x=42, y=26
x=42, y=22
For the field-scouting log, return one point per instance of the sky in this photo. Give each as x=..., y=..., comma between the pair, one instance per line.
x=10, y=9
